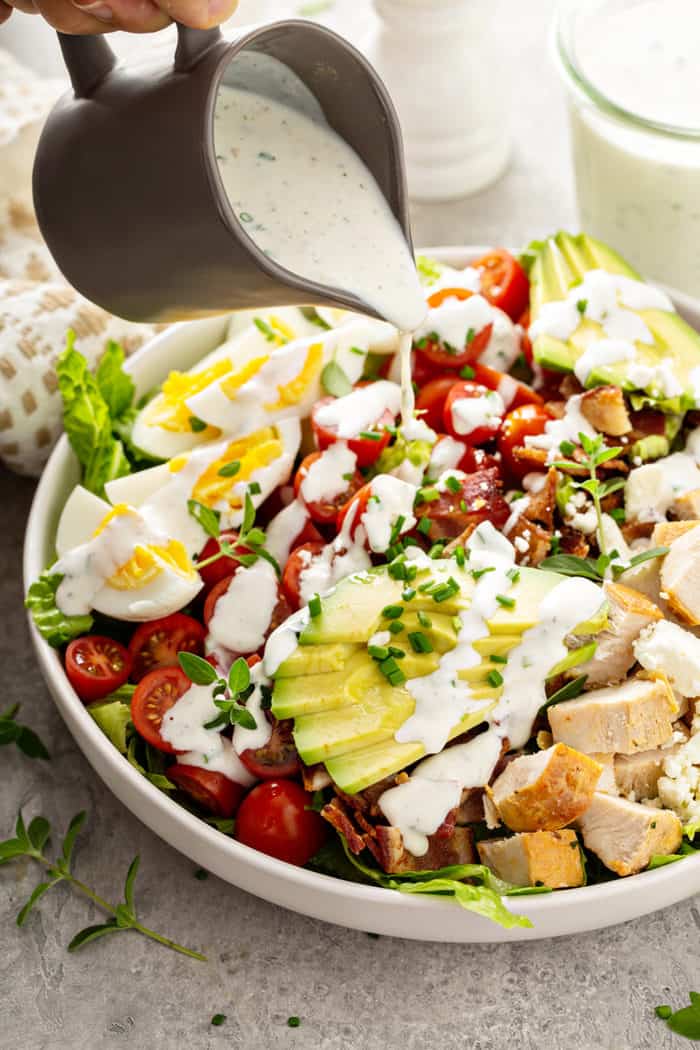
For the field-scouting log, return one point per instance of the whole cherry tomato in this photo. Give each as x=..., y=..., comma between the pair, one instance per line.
x=504, y=282
x=276, y=818
x=472, y=412
x=517, y=425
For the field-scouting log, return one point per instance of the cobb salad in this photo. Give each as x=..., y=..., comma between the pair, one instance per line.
x=455, y=653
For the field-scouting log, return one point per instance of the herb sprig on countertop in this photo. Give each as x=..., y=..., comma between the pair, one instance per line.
x=685, y=1022
x=30, y=842
x=13, y=732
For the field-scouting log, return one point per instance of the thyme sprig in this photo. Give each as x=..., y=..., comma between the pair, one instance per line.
x=228, y=693
x=250, y=544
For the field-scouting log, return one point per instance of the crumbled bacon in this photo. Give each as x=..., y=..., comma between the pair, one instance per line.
x=480, y=499
x=541, y=505
x=530, y=540
x=573, y=542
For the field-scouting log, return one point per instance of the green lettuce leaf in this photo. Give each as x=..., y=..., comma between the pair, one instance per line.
x=52, y=624
x=115, y=385
x=113, y=715
x=485, y=898
x=91, y=406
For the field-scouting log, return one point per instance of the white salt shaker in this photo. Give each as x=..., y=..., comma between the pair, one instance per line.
x=437, y=60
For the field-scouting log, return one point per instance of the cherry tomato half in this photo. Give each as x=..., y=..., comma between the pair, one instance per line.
x=157, y=643
x=297, y=561
x=96, y=666
x=456, y=357
x=366, y=449
x=280, y=612
x=521, y=422
x=431, y=400
x=504, y=282
x=213, y=791
x=278, y=758
x=275, y=818
x=513, y=392
x=478, y=499
x=223, y=566
x=155, y=694
x=487, y=418
x=359, y=502
x=324, y=511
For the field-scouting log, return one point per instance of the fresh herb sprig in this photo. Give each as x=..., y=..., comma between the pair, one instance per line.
x=13, y=732
x=595, y=453
x=30, y=842
x=250, y=544
x=685, y=1022
x=228, y=693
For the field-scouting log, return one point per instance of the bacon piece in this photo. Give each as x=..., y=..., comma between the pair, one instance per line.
x=538, y=541
x=480, y=499
x=541, y=505
x=605, y=409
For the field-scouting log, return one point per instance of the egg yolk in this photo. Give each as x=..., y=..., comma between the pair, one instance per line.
x=253, y=452
x=292, y=392
x=148, y=560
x=169, y=410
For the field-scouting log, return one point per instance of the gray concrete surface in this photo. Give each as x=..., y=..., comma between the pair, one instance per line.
x=592, y=992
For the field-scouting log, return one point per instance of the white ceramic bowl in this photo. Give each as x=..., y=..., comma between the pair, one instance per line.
x=348, y=904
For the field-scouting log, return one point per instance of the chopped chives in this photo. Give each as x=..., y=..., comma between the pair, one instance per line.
x=505, y=601
x=436, y=550
x=197, y=425
x=315, y=606
x=460, y=556
x=420, y=643
x=424, y=526
x=445, y=590
x=467, y=372
x=218, y=1019
x=478, y=573
x=396, y=627
x=357, y=350
x=424, y=588
x=397, y=653
x=397, y=570
x=229, y=470
x=457, y=624
x=378, y=652
x=463, y=506
x=396, y=527
x=254, y=488
x=424, y=620
x=391, y=670
x=471, y=333
x=495, y=658
x=427, y=495
x=452, y=483
x=513, y=574
x=370, y=435
x=392, y=612
x=293, y=1022
x=411, y=572
x=494, y=678
x=408, y=594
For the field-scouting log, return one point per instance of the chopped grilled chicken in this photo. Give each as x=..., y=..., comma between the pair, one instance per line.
x=635, y=715
x=629, y=612
x=545, y=791
x=626, y=835
x=671, y=649
x=687, y=506
x=667, y=532
x=637, y=776
x=680, y=577
x=605, y=409
x=608, y=781
x=535, y=858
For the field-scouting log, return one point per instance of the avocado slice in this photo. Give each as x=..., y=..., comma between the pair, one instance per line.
x=559, y=265
x=348, y=717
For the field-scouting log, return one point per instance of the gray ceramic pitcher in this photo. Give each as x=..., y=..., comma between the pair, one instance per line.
x=127, y=188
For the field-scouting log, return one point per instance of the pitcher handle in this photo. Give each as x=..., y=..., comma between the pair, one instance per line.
x=193, y=44
x=88, y=60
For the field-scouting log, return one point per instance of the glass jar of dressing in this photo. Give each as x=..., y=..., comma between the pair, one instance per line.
x=633, y=77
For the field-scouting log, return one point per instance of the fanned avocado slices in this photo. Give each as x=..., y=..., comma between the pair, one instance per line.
x=346, y=711
x=557, y=267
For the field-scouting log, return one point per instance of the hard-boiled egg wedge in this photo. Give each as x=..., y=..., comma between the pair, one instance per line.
x=287, y=381
x=167, y=426
x=217, y=475
x=114, y=561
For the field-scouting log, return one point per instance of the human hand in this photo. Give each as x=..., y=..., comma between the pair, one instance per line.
x=133, y=16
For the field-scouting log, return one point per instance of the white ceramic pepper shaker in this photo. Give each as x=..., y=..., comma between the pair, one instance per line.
x=437, y=60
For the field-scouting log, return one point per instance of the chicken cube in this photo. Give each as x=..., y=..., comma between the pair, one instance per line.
x=626, y=835
x=637, y=776
x=535, y=858
x=668, y=648
x=608, y=782
x=687, y=505
x=633, y=716
x=545, y=791
x=680, y=577
x=605, y=409
x=629, y=612
x=667, y=532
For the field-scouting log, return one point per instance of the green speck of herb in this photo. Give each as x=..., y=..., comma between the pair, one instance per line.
x=420, y=643
x=424, y=526
x=496, y=658
x=218, y=1019
x=378, y=652
x=264, y=155
x=427, y=495
x=197, y=425
x=506, y=601
x=392, y=612
x=200, y=874
x=467, y=372
x=452, y=484
x=494, y=678
x=408, y=594
x=254, y=488
x=370, y=435
x=396, y=627
x=315, y=606
x=471, y=333
x=293, y=1022
x=229, y=470
x=664, y=1012
x=424, y=620
x=581, y=306
x=245, y=216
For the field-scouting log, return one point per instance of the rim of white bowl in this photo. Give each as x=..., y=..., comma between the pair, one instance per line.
x=42, y=510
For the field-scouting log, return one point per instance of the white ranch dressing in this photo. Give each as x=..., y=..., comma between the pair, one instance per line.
x=447, y=453
x=304, y=196
x=242, y=614
x=391, y=499
x=567, y=428
x=254, y=738
x=361, y=409
x=470, y=413
x=326, y=477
